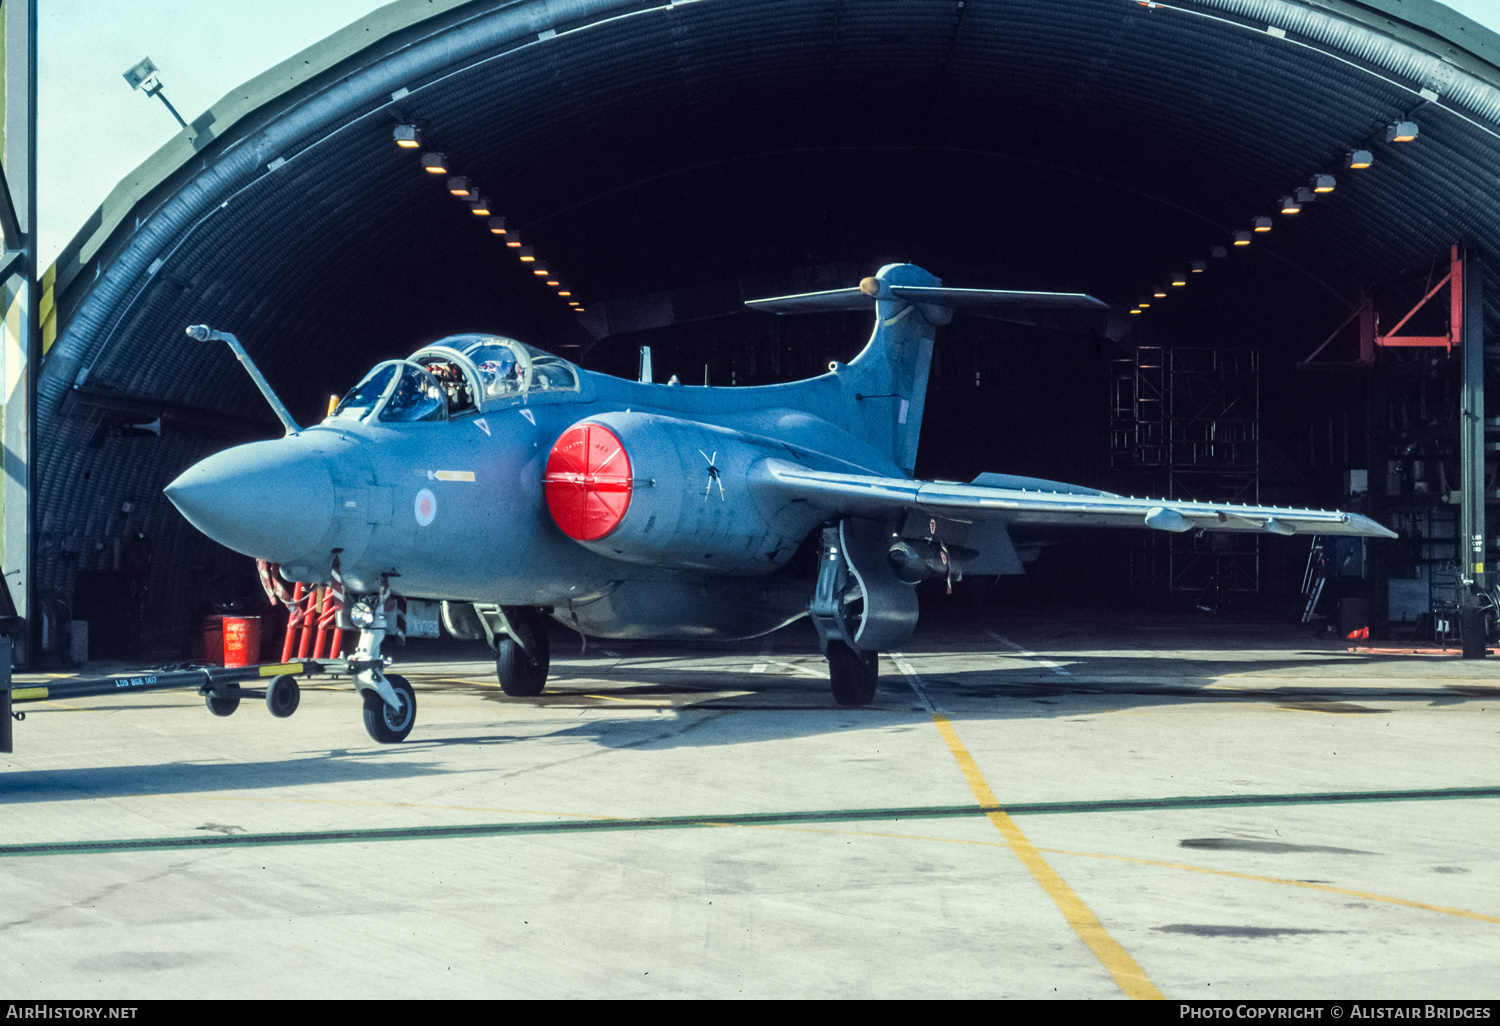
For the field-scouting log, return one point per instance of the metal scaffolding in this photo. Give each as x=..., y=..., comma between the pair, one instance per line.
x=1185, y=424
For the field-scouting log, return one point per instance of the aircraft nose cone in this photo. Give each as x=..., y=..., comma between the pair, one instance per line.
x=271, y=500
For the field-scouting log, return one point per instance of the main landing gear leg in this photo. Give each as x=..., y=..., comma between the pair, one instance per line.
x=390, y=703
x=523, y=653
x=853, y=673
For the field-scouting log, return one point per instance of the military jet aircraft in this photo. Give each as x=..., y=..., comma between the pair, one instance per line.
x=512, y=485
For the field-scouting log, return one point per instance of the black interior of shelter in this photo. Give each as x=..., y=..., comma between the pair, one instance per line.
x=715, y=150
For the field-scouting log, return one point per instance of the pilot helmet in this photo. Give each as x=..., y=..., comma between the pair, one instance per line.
x=499, y=374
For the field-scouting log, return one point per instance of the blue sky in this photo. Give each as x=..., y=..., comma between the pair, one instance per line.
x=92, y=129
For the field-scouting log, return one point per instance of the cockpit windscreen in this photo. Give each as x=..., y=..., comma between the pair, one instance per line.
x=403, y=393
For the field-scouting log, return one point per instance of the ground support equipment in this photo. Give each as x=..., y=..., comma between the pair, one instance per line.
x=220, y=686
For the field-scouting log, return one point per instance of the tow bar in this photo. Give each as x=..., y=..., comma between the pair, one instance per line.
x=219, y=686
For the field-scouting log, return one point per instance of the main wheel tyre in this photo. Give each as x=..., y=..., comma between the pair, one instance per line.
x=386, y=725
x=283, y=696
x=223, y=702
x=522, y=675
x=854, y=675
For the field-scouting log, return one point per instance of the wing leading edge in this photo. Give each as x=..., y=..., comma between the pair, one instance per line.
x=885, y=497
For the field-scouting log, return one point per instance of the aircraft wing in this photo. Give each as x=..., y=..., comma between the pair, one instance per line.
x=1010, y=499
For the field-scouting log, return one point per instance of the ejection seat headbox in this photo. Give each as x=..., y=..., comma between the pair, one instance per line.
x=499, y=370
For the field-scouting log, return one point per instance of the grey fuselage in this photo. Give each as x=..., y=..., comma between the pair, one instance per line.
x=489, y=495
x=357, y=487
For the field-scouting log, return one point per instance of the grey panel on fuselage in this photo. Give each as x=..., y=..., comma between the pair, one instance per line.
x=690, y=608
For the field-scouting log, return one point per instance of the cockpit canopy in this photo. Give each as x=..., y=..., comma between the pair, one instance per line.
x=456, y=376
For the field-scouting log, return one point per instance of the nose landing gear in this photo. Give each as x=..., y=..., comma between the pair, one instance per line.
x=390, y=703
x=390, y=725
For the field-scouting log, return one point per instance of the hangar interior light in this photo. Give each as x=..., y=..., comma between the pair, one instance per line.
x=1179, y=280
x=1401, y=131
x=1356, y=157
x=434, y=162
x=1160, y=293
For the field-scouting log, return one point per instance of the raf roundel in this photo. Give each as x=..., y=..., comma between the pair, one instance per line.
x=587, y=482
x=426, y=507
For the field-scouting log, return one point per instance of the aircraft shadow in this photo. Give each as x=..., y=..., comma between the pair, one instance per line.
x=1110, y=667
x=338, y=767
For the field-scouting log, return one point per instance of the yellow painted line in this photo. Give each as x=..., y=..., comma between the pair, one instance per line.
x=280, y=668
x=29, y=693
x=1128, y=974
x=1446, y=910
x=644, y=703
x=454, y=475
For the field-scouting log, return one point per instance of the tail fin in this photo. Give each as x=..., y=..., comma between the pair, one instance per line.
x=889, y=376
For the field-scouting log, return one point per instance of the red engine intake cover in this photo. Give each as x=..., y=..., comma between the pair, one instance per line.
x=587, y=482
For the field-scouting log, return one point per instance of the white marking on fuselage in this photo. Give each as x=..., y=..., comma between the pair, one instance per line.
x=529, y=416
x=482, y=425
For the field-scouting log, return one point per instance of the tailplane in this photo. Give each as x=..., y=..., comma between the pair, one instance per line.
x=889, y=376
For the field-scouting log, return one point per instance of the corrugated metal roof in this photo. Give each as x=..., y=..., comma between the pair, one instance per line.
x=1083, y=143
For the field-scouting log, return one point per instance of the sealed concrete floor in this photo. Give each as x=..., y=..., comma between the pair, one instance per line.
x=1192, y=809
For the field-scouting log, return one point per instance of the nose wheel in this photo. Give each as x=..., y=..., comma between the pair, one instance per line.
x=386, y=725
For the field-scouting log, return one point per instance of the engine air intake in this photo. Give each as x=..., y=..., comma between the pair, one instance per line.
x=587, y=482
